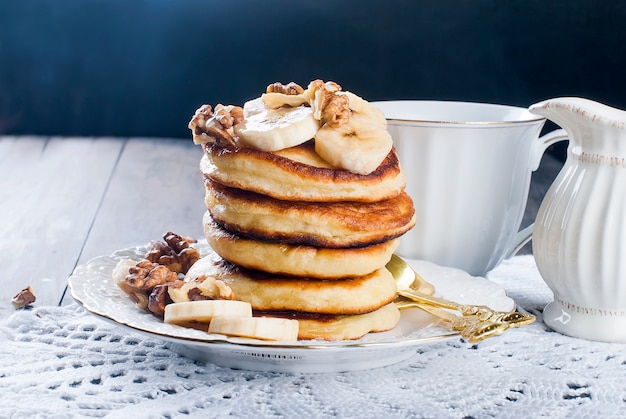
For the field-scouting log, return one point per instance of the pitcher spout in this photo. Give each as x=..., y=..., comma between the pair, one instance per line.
x=584, y=120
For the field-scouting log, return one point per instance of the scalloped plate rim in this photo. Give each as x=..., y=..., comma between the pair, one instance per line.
x=205, y=345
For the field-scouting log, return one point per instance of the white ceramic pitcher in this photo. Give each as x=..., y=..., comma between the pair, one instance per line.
x=579, y=238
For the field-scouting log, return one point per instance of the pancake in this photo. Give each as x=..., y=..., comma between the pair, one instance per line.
x=342, y=326
x=299, y=174
x=320, y=224
x=297, y=260
x=267, y=292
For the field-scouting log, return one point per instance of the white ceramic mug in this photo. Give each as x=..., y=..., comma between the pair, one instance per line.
x=469, y=167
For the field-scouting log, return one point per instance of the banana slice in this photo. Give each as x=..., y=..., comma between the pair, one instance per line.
x=204, y=310
x=359, y=146
x=253, y=107
x=277, y=100
x=361, y=107
x=266, y=328
x=275, y=129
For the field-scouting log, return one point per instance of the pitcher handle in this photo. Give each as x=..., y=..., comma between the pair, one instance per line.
x=526, y=234
x=521, y=238
x=546, y=141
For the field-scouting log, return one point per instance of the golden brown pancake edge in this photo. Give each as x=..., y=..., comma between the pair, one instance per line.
x=297, y=260
x=269, y=292
x=288, y=178
x=341, y=326
x=323, y=224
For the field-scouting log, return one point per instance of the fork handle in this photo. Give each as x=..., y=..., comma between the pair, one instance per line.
x=471, y=328
x=438, y=302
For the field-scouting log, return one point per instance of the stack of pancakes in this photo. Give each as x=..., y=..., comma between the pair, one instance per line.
x=297, y=238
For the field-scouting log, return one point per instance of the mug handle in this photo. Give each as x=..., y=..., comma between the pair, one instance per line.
x=523, y=236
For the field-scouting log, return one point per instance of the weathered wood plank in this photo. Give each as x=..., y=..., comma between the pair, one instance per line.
x=156, y=188
x=51, y=190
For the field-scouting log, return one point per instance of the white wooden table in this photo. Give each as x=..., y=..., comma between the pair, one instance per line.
x=67, y=200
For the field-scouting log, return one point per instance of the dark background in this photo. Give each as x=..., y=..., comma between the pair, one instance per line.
x=141, y=67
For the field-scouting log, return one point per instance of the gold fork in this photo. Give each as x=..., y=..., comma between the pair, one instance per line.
x=476, y=323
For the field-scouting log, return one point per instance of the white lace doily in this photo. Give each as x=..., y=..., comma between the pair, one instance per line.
x=63, y=362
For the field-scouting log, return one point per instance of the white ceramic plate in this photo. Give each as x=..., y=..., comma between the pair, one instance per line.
x=92, y=286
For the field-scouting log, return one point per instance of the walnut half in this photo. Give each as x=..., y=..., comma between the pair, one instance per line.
x=175, y=253
x=143, y=278
x=290, y=88
x=329, y=104
x=215, y=126
x=201, y=288
x=158, y=299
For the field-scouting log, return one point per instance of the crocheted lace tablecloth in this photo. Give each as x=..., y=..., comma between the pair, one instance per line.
x=64, y=362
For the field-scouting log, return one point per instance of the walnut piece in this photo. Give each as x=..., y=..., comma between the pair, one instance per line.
x=147, y=275
x=228, y=116
x=147, y=281
x=215, y=288
x=329, y=86
x=336, y=111
x=24, y=298
x=177, y=242
x=201, y=288
x=290, y=88
x=143, y=278
x=208, y=126
x=278, y=95
x=329, y=105
x=158, y=299
x=174, y=253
